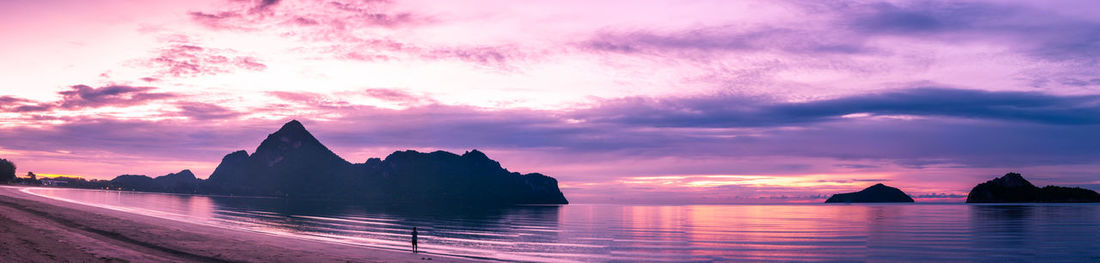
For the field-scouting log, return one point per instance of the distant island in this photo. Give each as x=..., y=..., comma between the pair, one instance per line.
x=292, y=163
x=1013, y=188
x=878, y=193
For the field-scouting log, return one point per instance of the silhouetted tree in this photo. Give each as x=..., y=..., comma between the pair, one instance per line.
x=7, y=171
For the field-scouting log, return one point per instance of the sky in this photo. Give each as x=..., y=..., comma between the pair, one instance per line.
x=621, y=101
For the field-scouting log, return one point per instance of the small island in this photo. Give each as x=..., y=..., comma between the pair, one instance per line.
x=878, y=193
x=1013, y=188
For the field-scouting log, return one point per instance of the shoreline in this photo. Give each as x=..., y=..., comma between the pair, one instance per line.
x=61, y=231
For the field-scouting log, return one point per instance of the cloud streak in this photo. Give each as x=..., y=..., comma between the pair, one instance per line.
x=727, y=39
x=1038, y=32
x=998, y=122
x=84, y=96
x=730, y=111
x=944, y=137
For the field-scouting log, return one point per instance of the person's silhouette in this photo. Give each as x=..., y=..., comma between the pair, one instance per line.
x=414, y=234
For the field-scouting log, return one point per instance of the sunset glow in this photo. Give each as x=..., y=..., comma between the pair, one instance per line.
x=55, y=176
x=621, y=102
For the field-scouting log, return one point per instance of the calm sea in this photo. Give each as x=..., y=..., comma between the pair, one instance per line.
x=632, y=233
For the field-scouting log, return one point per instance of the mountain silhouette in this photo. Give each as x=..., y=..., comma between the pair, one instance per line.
x=289, y=159
x=878, y=193
x=181, y=182
x=135, y=183
x=292, y=163
x=1013, y=188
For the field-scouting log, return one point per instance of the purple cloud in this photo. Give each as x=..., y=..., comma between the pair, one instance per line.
x=163, y=140
x=936, y=140
x=307, y=100
x=5, y=100
x=264, y=4
x=206, y=111
x=940, y=195
x=83, y=96
x=367, y=13
x=725, y=111
x=1034, y=31
x=728, y=39
x=989, y=140
x=14, y=104
x=220, y=20
x=498, y=57
x=1000, y=124
x=302, y=21
x=856, y=166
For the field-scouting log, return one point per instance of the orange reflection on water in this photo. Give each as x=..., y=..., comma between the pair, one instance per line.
x=773, y=232
x=754, y=232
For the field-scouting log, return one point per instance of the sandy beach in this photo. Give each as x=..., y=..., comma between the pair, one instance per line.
x=38, y=229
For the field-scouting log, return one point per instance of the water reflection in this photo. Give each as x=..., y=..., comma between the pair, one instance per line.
x=1056, y=232
x=1005, y=226
x=699, y=233
x=443, y=229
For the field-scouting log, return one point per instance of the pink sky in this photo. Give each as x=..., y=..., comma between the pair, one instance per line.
x=622, y=101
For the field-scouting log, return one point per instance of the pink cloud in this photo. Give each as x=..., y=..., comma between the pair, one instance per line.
x=183, y=58
x=332, y=15
x=399, y=96
x=206, y=111
x=216, y=20
x=344, y=29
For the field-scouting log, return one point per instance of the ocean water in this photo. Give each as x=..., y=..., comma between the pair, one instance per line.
x=633, y=233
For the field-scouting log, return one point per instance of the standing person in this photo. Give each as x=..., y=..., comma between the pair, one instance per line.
x=414, y=240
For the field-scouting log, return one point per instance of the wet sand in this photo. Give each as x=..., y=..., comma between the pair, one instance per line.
x=39, y=229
